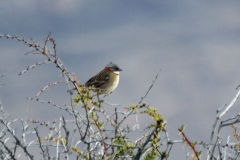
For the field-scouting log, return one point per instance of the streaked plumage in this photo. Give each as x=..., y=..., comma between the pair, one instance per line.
x=106, y=80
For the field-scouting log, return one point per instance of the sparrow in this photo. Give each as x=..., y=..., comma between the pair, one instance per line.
x=107, y=80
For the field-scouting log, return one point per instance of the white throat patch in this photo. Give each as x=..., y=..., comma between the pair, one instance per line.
x=117, y=72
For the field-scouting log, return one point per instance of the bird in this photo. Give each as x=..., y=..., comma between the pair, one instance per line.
x=106, y=80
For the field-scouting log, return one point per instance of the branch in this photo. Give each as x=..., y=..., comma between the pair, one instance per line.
x=230, y=105
x=190, y=144
x=142, y=98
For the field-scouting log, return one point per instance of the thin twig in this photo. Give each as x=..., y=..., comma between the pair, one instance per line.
x=142, y=98
x=189, y=143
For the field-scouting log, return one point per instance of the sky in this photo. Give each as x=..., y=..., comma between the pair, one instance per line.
x=194, y=43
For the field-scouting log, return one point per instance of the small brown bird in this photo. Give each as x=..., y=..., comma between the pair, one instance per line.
x=106, y=80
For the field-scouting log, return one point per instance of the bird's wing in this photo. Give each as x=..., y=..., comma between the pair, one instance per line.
x=98, y=80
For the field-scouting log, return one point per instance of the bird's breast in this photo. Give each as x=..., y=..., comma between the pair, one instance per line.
x=111, y=85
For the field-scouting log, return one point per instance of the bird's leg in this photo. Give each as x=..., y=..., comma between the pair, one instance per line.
x=101, y=101
x=107, y=94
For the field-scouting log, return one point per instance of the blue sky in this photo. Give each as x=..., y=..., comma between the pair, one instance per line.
x=194, y=43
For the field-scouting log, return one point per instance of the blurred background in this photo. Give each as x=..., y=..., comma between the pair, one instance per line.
x=194, y=43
